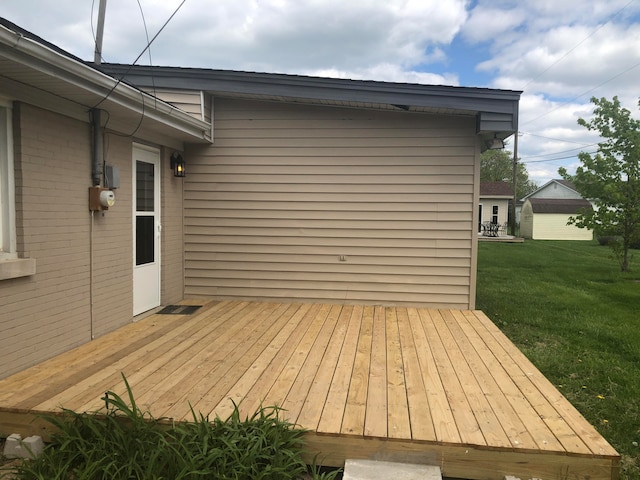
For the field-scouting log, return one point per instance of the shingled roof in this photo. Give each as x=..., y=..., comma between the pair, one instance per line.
x=557, y=205
x=496, y=189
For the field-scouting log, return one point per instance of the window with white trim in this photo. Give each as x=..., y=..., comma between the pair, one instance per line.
x=494, y=215
x=7, y=190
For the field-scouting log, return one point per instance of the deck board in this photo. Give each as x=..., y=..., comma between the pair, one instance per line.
x=442, y=387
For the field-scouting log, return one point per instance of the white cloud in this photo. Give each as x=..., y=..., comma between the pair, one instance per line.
x=290, y=36
x=544, y=63
x=560, y=53
x=388, y=72
x=488, y=24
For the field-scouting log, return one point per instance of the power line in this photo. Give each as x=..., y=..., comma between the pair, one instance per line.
x=552, y=159
x=562, y=104
x=119, y=81
x=551, y=138
x=562, y=151
x=576, y=46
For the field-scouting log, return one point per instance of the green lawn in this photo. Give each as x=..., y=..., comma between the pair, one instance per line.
x=567, y=306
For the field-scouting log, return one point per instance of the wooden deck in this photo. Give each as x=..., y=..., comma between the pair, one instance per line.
x=442, y=387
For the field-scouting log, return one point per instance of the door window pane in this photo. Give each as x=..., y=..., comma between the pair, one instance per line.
x=144, y=240
x=144, y=187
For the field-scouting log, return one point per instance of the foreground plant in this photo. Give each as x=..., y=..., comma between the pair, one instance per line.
x=124, y=442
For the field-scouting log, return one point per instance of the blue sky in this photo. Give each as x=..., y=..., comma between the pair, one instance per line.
x=559, y=53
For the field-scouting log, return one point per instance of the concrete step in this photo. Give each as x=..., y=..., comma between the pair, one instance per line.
x=376, y=470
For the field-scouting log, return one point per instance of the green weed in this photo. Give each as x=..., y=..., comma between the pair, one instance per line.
x=123, y=442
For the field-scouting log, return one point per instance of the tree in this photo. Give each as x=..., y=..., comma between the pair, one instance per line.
x=497, y=166
x=610, y=178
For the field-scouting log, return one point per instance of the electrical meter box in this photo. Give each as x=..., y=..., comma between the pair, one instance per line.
x=101, y=199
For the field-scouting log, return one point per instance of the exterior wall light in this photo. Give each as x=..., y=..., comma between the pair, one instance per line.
x=177, y=165
x=496, y=143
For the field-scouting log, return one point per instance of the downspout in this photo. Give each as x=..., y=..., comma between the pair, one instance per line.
x=97, y=155
x=96, y=164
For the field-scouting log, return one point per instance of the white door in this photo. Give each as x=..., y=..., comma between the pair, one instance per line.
x=146, y=229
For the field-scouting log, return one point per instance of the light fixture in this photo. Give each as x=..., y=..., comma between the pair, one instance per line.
x=495, y=143
x=177, y=165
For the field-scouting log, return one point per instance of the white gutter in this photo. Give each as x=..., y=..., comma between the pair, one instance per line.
x=43, y=59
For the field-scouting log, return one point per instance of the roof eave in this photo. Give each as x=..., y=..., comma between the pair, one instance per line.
x=98, y=89
x=496, y=110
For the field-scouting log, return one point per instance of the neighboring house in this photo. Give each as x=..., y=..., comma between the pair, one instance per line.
x=297, y=188
x=546, y=219
x=495, y=198
x=556, y=189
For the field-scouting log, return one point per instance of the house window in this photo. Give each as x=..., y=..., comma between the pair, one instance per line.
x=7, y=195
x=494, y=215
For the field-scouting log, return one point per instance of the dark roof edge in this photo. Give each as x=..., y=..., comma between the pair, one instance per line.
x=310, y=81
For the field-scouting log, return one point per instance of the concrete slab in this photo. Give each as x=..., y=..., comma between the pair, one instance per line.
x=377, y=470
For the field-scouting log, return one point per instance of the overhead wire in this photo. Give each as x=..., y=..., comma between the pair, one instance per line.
x=146, y=32
x=576, y=46
x=565, y=55
x=561, y=104
x=119, y=81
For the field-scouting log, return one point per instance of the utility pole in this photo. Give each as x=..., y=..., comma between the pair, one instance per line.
x=97, y=56
x=515, y=184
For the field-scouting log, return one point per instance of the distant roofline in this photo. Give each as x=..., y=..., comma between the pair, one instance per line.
x=559, y=181
x=496, y=190
x=558, y=205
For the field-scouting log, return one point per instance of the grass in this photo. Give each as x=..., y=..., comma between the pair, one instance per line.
x=122, y=442
x=567, y=306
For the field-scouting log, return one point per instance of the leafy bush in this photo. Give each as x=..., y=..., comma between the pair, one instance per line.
x=127, y=443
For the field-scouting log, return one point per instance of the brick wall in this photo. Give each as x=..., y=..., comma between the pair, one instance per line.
x=84, y=263
x=49, y=312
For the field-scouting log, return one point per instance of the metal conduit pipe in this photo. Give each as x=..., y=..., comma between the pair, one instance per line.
x=96, y=160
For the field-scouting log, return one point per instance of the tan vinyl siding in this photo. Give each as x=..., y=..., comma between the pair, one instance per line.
x=190, y=102
x=172, y=246
x=287, y=191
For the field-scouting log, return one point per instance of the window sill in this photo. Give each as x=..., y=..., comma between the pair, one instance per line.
x=17, y=267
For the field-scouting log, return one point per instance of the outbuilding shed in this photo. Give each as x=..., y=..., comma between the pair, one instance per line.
x=547, y=219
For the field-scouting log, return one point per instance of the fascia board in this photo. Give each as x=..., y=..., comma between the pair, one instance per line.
x=293, y=86
x=42, y=59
